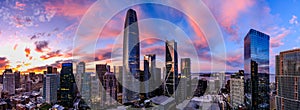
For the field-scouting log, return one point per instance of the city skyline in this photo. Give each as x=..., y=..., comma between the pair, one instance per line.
x=166, y=55
x=41, y=34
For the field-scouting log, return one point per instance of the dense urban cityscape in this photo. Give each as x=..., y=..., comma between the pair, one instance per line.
x=140, y=80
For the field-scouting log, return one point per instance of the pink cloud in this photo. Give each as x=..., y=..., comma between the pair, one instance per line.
x=227, y=13
x=51, y=55
x=69, y=8
x=20, y=5
x=276, y=41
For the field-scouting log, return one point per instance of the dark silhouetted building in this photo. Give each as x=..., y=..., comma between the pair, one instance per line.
x=68, y=89
x=17, y=79
x=149, y=72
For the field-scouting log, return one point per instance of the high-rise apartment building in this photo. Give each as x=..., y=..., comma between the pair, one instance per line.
x=288, y=80
x=237, y=89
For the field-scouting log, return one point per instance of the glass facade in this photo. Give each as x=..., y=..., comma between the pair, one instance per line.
x=131, y=56
x=256, y=48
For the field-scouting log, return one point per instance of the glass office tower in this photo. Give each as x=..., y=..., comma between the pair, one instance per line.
x=131, y=56
x=256, y=49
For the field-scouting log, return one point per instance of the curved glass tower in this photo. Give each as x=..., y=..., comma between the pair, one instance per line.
x=131, y=56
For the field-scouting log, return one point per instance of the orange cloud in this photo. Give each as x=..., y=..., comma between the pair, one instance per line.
x=27, y=52
x=15, y=47
x=51, y=55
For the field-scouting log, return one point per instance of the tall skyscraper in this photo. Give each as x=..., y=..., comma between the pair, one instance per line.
x=256, y=48
x=149, y=71
x=237, y=89
x=50, y=86
x=287, y=75
x=17, y=79
x=185, y=77
x=9, y=81
x=131, y=56
x=68, y=89
x=171, y=68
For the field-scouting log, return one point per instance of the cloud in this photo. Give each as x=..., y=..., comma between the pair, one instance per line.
x=27, y=52
x=41, y=46
x=56, y=64
x=293, y=20
x=158, y=50
x=21, y=21
x=3, y=62
x=20, y=5
x=235, y=60
x=228, y=12
x=52, y=54
x=38, y=35
x=68, y=8
x=279, y=35
x=15, y=46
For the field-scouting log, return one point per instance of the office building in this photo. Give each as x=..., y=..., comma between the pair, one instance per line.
x=149, y=75
x=50, y=86
x=95, y=92
x=68, y=89
x=237, y=89
x=185, y=79
x=131, y=57
x=171, y=68
x=110, y=85
x=118, y=72
x=256, y=49
x=80, y=70
x=17, y=79
x=86, y=87
x=287, y=80
x=9, y=81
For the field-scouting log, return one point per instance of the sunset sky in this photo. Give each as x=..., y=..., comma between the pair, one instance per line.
x=37, y=33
